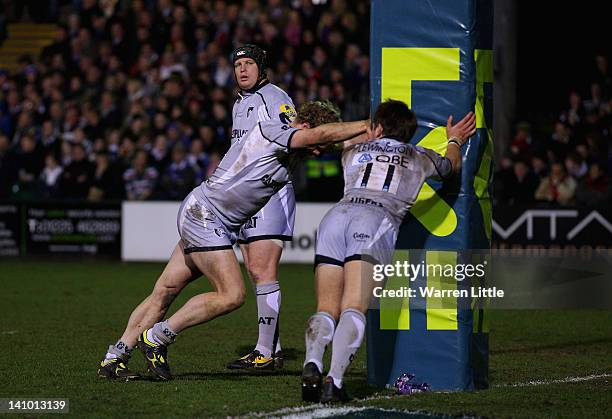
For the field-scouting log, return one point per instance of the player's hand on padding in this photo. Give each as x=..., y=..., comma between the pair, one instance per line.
x=463, y=129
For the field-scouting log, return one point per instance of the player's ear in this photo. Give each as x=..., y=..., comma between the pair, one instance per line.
x=378, y=131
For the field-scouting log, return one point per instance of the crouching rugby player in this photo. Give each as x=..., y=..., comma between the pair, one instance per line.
x=382, y=179
x=209, y=218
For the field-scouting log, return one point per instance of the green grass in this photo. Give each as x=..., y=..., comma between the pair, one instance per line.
x=58, y=317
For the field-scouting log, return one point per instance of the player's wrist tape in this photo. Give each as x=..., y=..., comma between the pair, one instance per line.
x=455, y=141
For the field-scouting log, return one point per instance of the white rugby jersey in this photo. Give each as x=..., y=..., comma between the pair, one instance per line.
x=262, y=103
x=389, y=173
x=253, y=170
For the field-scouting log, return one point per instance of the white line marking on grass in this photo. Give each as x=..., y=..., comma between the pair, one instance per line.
x=281, y=412
x=565, y=380
x=325, y=412
x=317, y=411
x=9, y=332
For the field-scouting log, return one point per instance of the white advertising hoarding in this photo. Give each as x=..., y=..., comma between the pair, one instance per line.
x=149, y=231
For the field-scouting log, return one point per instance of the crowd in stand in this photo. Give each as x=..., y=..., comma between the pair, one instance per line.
x=133, y=99
x=572, y=165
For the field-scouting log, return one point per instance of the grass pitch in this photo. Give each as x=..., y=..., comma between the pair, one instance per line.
x=58, y=317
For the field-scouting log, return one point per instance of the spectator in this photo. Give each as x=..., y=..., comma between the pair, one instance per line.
x=106, y=183
x=110, y=117
x=518, y=185
x=575, y=166
x=522, y=142
x=539, y=166
x=8, y=167
x=179, y=177
x=140, y=179
x=77, y=176
x=29, y=160
x=602, y=75
x=574, y=115
x=558, y=187
x=159, y=153
x=561, y=141
x=198, y=159
x=50, y=139
x=594, y=189
x=223, y=73
x=25, y=126
x=595, y=104
x=50, y=176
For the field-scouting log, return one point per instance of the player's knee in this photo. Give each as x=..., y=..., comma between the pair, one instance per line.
x=254, y=274
x=234, y=299
x=261, y=269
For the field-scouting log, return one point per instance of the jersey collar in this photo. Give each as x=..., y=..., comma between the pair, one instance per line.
x=256, y=87
x=398, y=139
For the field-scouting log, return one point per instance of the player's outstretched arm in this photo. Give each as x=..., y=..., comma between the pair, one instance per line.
x=457, y=135
x=328, y=133
x=361, y=138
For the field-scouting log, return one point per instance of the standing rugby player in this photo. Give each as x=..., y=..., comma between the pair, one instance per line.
x=261, y=238
x=382, y=179
x=252, y=171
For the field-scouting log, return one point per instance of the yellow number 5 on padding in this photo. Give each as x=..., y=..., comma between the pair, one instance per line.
x=400, y=67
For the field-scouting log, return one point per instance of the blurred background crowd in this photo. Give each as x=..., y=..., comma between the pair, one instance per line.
x=567, y=159
x=133, y=101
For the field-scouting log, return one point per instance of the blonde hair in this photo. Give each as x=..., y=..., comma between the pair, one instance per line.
x=317, y=113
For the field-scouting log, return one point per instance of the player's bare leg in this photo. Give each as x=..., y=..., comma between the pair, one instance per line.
x=329, y=285
x=222, y=270
x=358, y=285
x=178, y=272
x=261, y=258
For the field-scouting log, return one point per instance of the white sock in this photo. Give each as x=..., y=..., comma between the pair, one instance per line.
x=118, y=350
x=347, y=340
x=161, y=333
x=319, y=333
x=268, y=308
